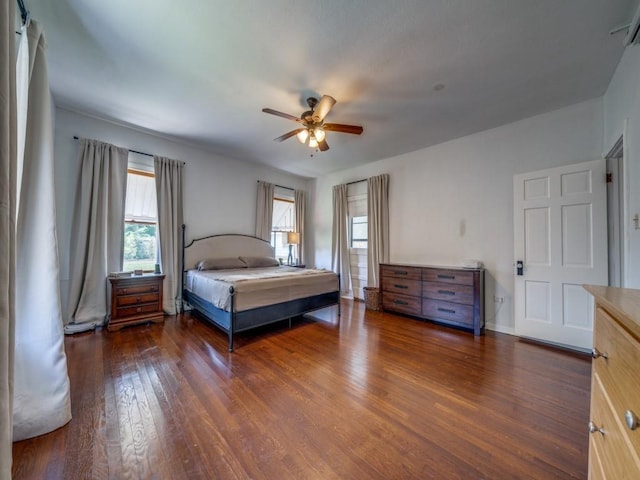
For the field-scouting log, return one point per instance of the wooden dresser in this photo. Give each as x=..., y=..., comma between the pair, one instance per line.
x=614, y=446
x=135, y=299
x=449, y=295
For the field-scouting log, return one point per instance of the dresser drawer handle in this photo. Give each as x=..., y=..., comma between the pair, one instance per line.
x=400, y=272
x=447, y=277
x=138, y=309
x=138, y=299
x=401, y=286
x=446, y=310
x=401, y=302
x=631, y=420
x=593, y=429
x=446, y=292
x=595, y=353
x=124, y=290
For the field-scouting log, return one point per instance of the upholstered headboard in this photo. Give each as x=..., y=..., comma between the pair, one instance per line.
x=222, y=246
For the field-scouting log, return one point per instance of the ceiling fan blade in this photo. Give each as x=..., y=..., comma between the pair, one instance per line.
x=323, y=146
x=290, y=134
x=339, y=127
x=281, y=114
x=324, y=106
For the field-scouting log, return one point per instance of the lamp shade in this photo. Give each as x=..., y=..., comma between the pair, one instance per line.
x=293, y=237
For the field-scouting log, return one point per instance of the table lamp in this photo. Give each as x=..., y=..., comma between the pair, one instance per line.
x=292, y=238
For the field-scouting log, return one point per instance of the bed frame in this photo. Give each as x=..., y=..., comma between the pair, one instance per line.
x=232, y=322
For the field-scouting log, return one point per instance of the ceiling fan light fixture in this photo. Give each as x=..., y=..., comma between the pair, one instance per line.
x=313, y=142
x=303, y=135
x=319, y=134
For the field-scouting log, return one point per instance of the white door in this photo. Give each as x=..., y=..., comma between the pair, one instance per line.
x=561, y=238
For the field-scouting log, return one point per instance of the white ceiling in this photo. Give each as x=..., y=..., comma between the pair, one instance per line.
x=202, y=70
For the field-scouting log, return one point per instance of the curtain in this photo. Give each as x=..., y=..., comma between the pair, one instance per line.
x=97, y=232
x=41, y=384
x=340, y=239
x=8, y=151
x=169, y=194
x=264, y=210
x=299, y=198
x=378, y=226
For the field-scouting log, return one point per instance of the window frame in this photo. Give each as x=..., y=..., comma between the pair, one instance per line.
x=144, y=173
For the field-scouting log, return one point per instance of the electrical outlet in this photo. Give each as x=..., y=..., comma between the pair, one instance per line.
x=498, y=299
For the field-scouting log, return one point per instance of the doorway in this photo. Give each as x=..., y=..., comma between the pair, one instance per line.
x=615, y=214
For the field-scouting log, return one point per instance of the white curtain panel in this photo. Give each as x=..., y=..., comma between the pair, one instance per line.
x=41, y=389
x=264, y=210
x=340, y=238
x=378, y=226
x=97, y=232
x=8, y=152
x=300, y=200
x=169, y=197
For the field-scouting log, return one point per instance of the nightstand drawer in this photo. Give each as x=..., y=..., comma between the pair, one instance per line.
x=133, y=289
x=137, y=310
x=124, y=300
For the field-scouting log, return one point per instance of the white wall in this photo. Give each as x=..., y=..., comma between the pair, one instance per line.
x=219, y=193
x=622, y=116
x=455, y=200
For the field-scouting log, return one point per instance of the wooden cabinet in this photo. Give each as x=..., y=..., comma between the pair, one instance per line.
x=136, y=299
x=450, y=295
x=614, y=445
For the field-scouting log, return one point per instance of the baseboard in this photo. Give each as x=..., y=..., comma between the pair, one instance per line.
x=500, y=329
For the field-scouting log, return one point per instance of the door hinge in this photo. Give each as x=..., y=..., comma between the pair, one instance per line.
x=609, y=177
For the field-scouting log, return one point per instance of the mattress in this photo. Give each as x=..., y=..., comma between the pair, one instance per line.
x=258, y=287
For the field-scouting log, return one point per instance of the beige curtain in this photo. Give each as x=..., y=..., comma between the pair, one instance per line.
x=8, y=152
x=300, y=200
x=41, y=399
x=340, y=239
x=169, y=196
x=264, y=210
x=97, y=232
x=378, y=226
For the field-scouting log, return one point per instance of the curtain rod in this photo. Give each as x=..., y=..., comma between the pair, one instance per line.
x=75, y=137
x=280, y=186
x=356, y=181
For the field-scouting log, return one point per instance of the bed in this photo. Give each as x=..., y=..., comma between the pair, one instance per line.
x=235, y=283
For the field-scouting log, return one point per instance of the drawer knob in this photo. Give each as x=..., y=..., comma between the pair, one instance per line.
x=631, y=419
x=403, y=287
x=595, y=353
x=593, y=428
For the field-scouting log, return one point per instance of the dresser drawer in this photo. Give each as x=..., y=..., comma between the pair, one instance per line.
x=140, y=288
x=447, y=276
x=410, y=273
x=448, y=292
x=401, y=303
x=402, y=285
x=124, y=300
x=619, y=372
x=613, y=452
x=452, y=312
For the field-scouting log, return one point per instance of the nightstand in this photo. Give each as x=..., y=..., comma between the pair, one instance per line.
x=136, y=299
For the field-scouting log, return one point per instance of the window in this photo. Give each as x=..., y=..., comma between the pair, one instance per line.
x=140, y=222
x=359, y=232
x=283, y=221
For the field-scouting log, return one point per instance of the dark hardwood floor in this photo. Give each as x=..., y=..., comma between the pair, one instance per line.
x=372, y=396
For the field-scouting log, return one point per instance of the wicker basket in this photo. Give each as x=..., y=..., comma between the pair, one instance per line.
x=372, y=298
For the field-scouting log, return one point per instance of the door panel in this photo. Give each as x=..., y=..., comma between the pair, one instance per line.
x=561, y=236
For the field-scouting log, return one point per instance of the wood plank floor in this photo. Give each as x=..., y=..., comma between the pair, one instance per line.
x=369, y=396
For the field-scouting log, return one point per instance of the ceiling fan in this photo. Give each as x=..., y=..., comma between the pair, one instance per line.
x=313, y=130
